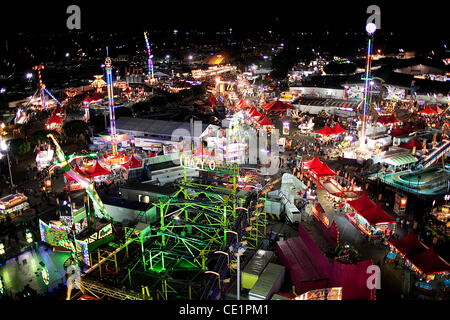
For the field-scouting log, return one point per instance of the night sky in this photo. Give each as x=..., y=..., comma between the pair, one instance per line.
x=426, y=17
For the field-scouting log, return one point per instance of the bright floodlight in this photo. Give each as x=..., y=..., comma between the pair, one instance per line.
x=370, y=28
x=3, y=145
x=29, y=75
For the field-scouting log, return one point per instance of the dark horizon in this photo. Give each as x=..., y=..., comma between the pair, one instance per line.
x=430, y=19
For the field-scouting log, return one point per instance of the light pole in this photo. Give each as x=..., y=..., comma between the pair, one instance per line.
x=218, y=277
x=4, y=147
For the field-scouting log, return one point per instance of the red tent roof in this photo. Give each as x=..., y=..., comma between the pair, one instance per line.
x=254, y=113
x=201, y=151
x=397, y=132
x=127, y=90
x=54, y=119
x=323, y=170
x=411, y=144
x=370, y=210
x=277, y=106
x=436, y=108
x=427, y=110
x=59, y=109
x=132, y=163
x=325, y=131
x=408, y=245
x=95, y=171
x=242, y=104
x=429, y=262
x=96, y=97
x=314, y=163
x=264, y=121
x=338, y=129
x=387, y=119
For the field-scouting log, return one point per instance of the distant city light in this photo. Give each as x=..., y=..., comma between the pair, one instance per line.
x=371, y=28
x=67, y=54
x=2, y=90
x=175, y=31
x=190, y=57
x=29, y=75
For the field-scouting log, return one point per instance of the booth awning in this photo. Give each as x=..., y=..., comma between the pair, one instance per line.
x=337, y=129
x=427, y=111
x=132, y=163
x=313, y=163
x=277, y=106
x=95, y=171
x=264, y=121
x=408, y=245
x=370, y=211
x=429, y=262
x=254, y=113
x=325, y=131
x=242, y=104
x=411, y=144
x=400, y=160
x=323, y=171
x=387, y=119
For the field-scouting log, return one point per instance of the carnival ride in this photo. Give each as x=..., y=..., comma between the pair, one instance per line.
x=41, y=91
x=151, y=78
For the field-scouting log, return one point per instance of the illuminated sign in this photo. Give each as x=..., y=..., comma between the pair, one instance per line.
x=322, y=294
x=208, y=164
x=100, y=234
x=45, y=275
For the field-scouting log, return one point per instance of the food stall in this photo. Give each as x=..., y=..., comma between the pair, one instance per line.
x=13, y=205
x=370, y=218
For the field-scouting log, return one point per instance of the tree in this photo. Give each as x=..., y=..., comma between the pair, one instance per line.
x=74, y=128
x=340, y=68
x=19, y=147
x=41, y=136
x=123, y=112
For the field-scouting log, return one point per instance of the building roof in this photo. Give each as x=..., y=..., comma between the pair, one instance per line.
x=156, y=128
x=166, y=189
x=124, y=203
x=411, y=144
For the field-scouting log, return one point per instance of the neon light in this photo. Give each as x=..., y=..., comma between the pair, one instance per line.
x=45, y=275
x=149, y=61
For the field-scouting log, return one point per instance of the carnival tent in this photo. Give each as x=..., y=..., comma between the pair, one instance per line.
x=388, y=119
x=429, y=262
x=436, y=108
x=337, y=129
x=254, y=113
x=95, y=171
x=427, y=111
x=202, y=151
x=277, y=106
x=407, y=129
x=54, y=119
x=397, y=132
x=370, y=211
x=411, y=144
x=132, y=163
x=323, y=170
x=242, y=104
x=408, y=245
x=314, y=163
x=325, y=131
x=264, y=121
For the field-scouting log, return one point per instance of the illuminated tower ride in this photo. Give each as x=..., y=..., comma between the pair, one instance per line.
x=370, y=28
x=114, y=157
x=41, y=84
x=112, y=118
x=150, y=62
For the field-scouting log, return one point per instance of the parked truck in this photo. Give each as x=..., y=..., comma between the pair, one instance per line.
x=269, y=282
x=254, y=268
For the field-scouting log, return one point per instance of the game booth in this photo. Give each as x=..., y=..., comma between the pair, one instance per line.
x=427, y=265
x=13, y=205
x=369, y=218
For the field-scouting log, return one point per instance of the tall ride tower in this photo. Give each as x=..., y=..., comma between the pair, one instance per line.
x=150, y=61
x=112, y=118
x=370, y=28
